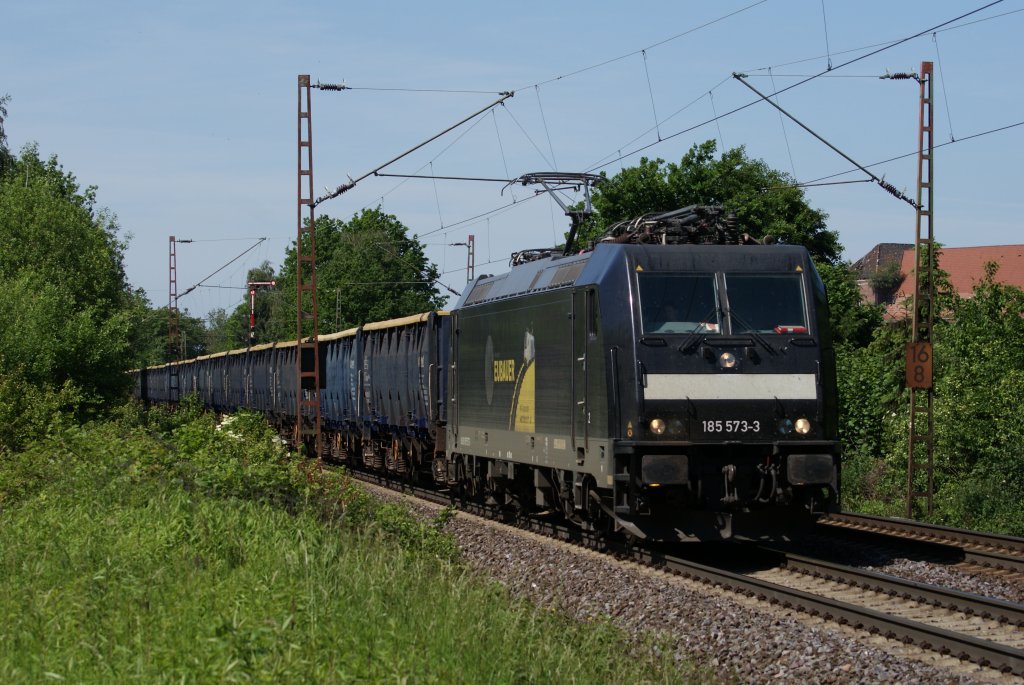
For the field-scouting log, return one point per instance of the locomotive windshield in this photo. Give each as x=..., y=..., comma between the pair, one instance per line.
x=679, y=303
x=691, y=303
x=766, y=303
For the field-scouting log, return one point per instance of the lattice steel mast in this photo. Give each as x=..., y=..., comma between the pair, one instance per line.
x=173, y=334
x=919, y=350
x=307, y=353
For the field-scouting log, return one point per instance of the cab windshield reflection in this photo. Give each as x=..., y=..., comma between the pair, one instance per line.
x=679, y=303
x=766, y=303
x=691, y=303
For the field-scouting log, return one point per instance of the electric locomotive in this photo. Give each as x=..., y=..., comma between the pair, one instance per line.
x=673, y=389
x=676, y=382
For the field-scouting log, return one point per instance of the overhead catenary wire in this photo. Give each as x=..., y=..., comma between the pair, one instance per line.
x=815, y=58
x=740, y=108
x=785, y=135
x=540, y=106
x=427, y=164
x=648, y=47
x=229, y=263
x=488, y=213
x=650, y=91
x=816, y=181
x=824, y=21
x=501, y=148
x=352, y=182
x=342, y=86
x=437, y=198
x=600, y=163
x=721, y=140
x=942, y=81
x=523, y=130
x=717, y=117
x=446, y=178
x=888, y=187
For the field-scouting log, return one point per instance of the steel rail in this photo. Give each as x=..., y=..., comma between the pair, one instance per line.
x=965, y=647
x=955, y=600
x=984, y=549
x=986, y=653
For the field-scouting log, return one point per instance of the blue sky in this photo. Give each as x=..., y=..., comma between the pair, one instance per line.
x=184, y=113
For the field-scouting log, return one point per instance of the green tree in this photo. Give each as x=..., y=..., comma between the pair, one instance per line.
x=764, y=200
x=979, y=428
x=69, y=317
x=230, y=330
x=368, y=269
x=853, y=321
x=150, y=345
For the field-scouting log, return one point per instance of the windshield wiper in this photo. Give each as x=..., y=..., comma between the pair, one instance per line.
x=752, y=333
x=693, y=338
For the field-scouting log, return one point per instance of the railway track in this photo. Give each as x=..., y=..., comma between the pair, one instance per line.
x=969, y=627
x=984, y=550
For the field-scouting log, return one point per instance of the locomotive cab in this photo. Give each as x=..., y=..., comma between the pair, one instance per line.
x=731, y=430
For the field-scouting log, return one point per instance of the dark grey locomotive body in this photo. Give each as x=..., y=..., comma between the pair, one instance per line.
x=673, y=391
x=677, y=390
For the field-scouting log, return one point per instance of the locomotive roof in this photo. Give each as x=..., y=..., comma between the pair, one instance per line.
x=590, y=267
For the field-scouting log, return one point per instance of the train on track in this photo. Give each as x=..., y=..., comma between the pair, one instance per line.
x=675, y=382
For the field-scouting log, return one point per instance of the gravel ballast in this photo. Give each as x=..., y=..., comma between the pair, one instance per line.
x=739, y=638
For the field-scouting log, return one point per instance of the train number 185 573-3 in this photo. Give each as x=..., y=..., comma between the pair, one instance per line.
x=730, y=426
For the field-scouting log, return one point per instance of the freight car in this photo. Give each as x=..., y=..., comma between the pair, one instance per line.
x=653, y=384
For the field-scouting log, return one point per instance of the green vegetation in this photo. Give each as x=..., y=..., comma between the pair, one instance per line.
x=368, y=269
x=70, y=320
x=765, y=200
x=176, y=552
x=979, y=424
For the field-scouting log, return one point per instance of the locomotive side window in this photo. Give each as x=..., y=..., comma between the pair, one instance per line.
x=678, y=303
x=766, y=303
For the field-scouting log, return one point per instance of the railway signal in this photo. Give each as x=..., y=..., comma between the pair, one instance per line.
x=253, y=285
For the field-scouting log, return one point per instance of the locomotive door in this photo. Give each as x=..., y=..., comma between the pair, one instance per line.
x=581, y=304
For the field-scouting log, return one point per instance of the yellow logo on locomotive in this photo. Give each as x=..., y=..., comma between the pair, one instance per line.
x=504, y=370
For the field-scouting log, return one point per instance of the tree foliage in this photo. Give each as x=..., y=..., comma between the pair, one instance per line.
x=368, y=269
x=853, y=321
x=764, y=199
x=979, y=429
x=230, y=330
x=70, y=319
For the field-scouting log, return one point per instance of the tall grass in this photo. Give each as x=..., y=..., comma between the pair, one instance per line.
x=194, y=555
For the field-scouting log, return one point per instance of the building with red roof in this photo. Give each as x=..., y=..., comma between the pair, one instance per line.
x=886, y=274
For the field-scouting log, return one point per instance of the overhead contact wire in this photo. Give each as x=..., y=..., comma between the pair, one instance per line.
x=875, y=45
x=888, y=187
x=352, y=182
x=824, y=21
x=721, y=140
x=554, y=160
x=649, y=47
x=785, y=136
x=501, y=148
x=650, y=90
x=802, y=82
x=904, y=156
x=523, y=130
x=942, y=80
x=226, y=265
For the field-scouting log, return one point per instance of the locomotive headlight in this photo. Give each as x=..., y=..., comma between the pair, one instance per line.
x=727, y=360
x=657, y=426
x=802, y=426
